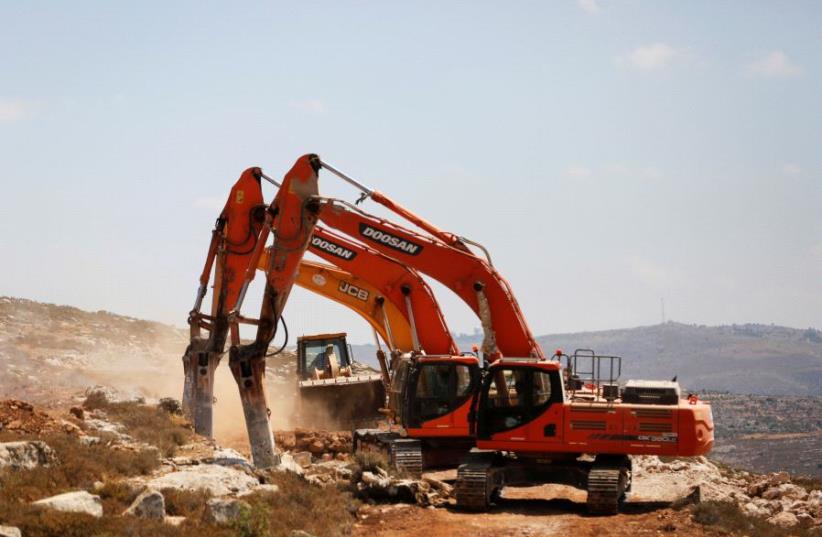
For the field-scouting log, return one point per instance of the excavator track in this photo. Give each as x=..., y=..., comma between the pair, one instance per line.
x=475, y=482
x=406, y=455
x=607, y=482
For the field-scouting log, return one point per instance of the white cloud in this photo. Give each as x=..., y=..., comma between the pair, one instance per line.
x=210, y=203
x=13, y=110
x=312, y=106
x=650, y=58
x=774, y=64
x=791, y=169
x=590, y=6
x=578, y=171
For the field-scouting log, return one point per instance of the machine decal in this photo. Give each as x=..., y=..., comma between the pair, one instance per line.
x=332, y=248
x=668, y=437
x=392, y=241
x=353, y=290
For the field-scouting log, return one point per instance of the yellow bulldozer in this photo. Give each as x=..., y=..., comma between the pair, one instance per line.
x=334, y=389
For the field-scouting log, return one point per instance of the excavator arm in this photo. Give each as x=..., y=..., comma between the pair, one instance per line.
x=232, y=246
x=473, y=279
x=360, y=297
x=399, y=284
x=238, y=242
x=290, y=218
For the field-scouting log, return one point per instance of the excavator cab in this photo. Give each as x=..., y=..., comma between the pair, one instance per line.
x=333, y=391
x=514, y=395
x=436, y=393
x=323, y=356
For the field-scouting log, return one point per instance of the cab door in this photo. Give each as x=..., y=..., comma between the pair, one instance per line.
x=546, y=408
x=438, y=398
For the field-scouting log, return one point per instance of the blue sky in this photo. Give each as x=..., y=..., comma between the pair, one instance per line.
x=609, y=154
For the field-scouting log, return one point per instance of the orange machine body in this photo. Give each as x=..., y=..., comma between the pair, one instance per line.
x=458, y=269
x=454, y=423
x=238, y=231
x=393, y=279
x=293, y=225
x=337, y=285
x=597, y=426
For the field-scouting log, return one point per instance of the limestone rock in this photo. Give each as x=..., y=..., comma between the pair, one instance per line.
x=303, y=458
x=174, y=520
x=25, y=455
x=9, y=531
x=228, y=457
x=784, y=520
x=74, y=502
x=805, y=520
x=265, y=489
x=90, y=440
x=218, y=480
x=149, y=504
x=224, y=511
x=752, y=509
x=288, y=464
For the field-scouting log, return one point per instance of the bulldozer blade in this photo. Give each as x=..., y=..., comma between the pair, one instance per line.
x=344, y=400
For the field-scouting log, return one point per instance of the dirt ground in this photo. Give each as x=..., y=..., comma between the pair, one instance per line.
x=530, y=512
x=524, y=518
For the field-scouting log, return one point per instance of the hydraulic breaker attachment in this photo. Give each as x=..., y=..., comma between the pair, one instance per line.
x=198, y=391
x=247, y=364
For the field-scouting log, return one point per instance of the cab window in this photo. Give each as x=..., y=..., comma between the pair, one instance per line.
x=514, y=396
x=541, y=388
x=315, y=355
x=440, y=388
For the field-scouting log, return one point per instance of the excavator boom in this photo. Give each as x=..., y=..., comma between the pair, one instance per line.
x=471, y=278
x=398, y=283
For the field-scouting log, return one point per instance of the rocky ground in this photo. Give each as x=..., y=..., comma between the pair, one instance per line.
x=102, y=465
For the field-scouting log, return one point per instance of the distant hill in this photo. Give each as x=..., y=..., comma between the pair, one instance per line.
x=49, y=351
x=44, y=345
x=747, y=358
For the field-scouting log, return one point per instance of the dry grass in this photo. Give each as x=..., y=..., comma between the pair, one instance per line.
x=187, y=503
x=44, y=523
x=809, y=483
x=727, y=517
x=149, y=424
x=78, y=467
x=299, y=505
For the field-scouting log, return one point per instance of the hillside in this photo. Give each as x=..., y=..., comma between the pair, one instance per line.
x=749, y=358
x=47, y=351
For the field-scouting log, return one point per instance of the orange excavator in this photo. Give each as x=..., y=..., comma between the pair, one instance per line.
x=431, y=394
x=238, y=242
x=535, y=420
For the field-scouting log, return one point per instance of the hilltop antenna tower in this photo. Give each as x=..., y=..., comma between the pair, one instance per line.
x=662, y=304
